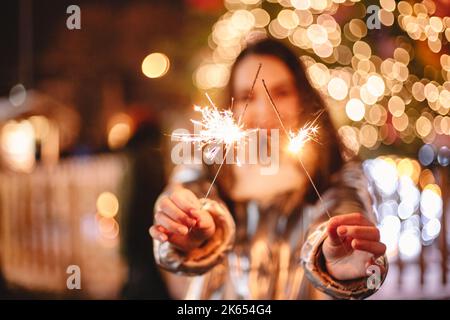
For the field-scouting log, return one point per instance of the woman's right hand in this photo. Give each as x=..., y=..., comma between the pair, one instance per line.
x=180, y=220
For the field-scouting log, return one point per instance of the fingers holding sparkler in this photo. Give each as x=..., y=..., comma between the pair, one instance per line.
x=348, y=234
x=296, y=144
x=180, y=220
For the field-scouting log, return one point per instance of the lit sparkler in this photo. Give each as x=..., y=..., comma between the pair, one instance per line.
x=297, y=141
x=218, y=129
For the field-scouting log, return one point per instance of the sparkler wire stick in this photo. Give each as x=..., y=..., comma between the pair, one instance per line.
x=215, y=176
x=277, y=112
x=250, y=94
x=300, y=160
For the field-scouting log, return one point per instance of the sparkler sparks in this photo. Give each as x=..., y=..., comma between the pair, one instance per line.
x=296, y=143
x=217, y=128
x=299, y=139
x=307, y=133
x=296, y=140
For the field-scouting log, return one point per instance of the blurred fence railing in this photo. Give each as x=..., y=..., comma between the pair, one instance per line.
x=50, y=220
x=411, y=203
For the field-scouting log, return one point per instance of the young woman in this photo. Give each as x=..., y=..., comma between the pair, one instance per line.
x=257, y=235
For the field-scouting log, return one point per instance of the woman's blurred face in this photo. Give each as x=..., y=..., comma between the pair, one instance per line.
x=280, y=82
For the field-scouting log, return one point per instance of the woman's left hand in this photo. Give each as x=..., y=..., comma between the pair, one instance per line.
x=352, y=245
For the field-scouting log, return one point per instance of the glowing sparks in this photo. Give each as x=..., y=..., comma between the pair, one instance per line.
x=220, y=128
x=217, y=128
x=299, y=139
x=296, y=140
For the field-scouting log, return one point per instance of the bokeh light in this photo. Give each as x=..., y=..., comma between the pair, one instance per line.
x=155, y=65
x=17, y=143
x=107, y=204
x=409, y=205
x=355, y=109
x=17, y=95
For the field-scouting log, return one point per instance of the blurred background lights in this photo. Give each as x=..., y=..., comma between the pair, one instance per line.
x=384, y=174
x=338, y=88
x=242, y=20
x=319, y=74
x=17, y=95
x=396, y=106
x=423, y=126
x=288, y=19
x=380, y=94
x=405, y=210
x=211, y=76
x=388, y=5
x=18, y=145
x=355, y=109
x=431, y=230
x=120, y=130
x=108, y=228
x=118, y=135
x=389, y=232
x=323, y=50
x=107, y=205
x=444, y=156
x=409, y=244
x=409, y=197
x=368, y=136
x=362, y=50
x=301, y=4
x=388, y=208
x=410, y=204
x=262, y=18
x=155, y=65
x=426, y=178
x=375, y=85
x=426, y=154
x=317, y=34
x=431, y=203
x=401, y=122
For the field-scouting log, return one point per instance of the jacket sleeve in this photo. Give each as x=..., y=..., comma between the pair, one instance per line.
x=349, y=193
x=212, y=252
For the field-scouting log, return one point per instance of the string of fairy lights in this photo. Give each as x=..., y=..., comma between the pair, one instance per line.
x=343, y=66
x=394, y=92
